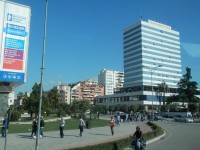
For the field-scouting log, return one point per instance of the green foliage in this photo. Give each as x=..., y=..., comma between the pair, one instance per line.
x=53, y=98
x=61, y=113
x=187, y=88
x=133, y=108
x=193, y=108
x=163, y=88
x=164, y=108
x=15, y=115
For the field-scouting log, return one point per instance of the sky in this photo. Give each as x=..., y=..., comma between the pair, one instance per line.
x=86, y=36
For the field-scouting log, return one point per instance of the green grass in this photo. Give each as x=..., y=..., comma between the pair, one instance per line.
x=53, y=126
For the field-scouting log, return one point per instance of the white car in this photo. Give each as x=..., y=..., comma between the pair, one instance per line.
x=189, y=119
x=87, y=112
x=183, y=119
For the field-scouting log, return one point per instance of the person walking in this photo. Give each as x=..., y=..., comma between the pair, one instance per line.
x=118, y=118
x=62, y=125
x=81, y=125
x=4, y=126
x=34, y=128
x=112, y=124
x=41, y=127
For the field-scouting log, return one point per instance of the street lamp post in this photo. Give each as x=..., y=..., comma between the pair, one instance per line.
x=151, y=70
x=42, y=75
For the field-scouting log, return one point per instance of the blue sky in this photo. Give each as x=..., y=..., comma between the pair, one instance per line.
x=85, y=36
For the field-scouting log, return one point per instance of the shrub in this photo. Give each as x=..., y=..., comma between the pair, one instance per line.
x=15, y=115
x=61, y=113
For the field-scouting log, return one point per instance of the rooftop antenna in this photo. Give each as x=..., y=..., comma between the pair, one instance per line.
x=141, y=17
x=173, y=27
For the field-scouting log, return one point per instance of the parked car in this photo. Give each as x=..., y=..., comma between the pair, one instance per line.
x=87, y=112
x=189, y=119
x=158, y=117
x=180, y=118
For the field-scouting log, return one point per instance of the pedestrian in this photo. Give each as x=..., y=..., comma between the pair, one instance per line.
x=4, y=126
x=112, y=124
x=41, y=127
x=61, y=127
x=118, y=120
x=81, y=125
x=34, y=128
x=97, y=114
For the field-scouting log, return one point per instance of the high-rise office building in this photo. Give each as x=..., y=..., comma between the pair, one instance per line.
x=152, y=56
x=111, y=80
x=151, y=47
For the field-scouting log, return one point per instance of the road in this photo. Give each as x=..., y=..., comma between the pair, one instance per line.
x=179, y=136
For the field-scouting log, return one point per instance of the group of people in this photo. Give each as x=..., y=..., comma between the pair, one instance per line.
x=115, y=121
x=35, y=127
x=61, y=127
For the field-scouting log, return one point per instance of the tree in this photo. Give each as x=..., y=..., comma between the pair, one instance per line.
x=31, y=104
x=54, y=98
x=173, y=98
x=163, y=88
x=74, y=107
x=187, y=88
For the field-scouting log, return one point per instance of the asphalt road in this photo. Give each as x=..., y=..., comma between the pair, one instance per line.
x=179, y=136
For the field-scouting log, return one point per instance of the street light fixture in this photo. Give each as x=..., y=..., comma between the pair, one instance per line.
x=151, y=70
x=42, y=74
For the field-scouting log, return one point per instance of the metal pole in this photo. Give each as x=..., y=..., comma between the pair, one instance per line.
x=42, y=75
x=152, y=94
x=151, y=70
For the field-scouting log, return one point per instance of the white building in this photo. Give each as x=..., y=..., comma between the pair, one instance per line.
x=152, y=55
x=110, y=80
x=148, y=45
x=65, y=92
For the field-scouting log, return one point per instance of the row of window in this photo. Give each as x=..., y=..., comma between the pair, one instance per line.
x=149, y=78
x=150, y=58
x=168, y=68
x=143, y=52
x=159, y=33
x=151, y=38
x=147, y=72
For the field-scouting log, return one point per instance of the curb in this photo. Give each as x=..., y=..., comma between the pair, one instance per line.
x=157, y=138
x=152, y=140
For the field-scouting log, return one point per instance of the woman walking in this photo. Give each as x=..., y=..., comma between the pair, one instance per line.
x=112, y=124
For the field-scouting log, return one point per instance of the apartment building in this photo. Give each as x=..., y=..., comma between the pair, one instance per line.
x=110, y=80
x=65, y=92
x=86, y=90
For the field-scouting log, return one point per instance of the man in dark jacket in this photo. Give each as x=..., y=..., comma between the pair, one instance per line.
x=137, y=135
x=41, y=127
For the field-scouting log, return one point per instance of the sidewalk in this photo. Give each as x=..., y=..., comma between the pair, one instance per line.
x=52, y=140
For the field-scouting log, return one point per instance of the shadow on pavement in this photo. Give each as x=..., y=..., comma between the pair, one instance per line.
x=100, y=134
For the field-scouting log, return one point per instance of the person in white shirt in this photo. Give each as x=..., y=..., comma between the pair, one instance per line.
x=81, y=125
x=62, y=125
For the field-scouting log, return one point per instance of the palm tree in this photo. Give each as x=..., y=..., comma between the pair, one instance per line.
x=163, y=87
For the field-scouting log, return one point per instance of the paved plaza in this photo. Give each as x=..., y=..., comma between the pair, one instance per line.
x=52, y=140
